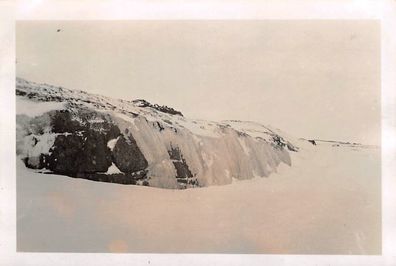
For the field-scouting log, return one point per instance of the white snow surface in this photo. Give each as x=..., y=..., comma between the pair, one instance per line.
x=32, y=108
x=113, y=169
x=111, y=143
x=328, y=202
x=44, y=143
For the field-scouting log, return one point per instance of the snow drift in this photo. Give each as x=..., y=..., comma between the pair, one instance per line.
x=328, y=202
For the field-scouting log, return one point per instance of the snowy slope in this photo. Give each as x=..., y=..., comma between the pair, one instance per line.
x=329, y=202
x=149, y=144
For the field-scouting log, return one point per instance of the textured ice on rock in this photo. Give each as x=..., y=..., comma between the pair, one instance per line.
x=210, y=152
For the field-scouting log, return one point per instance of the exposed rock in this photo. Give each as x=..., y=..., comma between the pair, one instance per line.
x=312, y=141
x=65, y=154
x=80, y=147
x=83, y=146
x=61, y=121
x=183, y=173
x=127, y=155
x=159, y=126
x=20, y=93
x=73, y=154
x=163, y=108
x=182, y=169
x=175, y=153
x=279, y=143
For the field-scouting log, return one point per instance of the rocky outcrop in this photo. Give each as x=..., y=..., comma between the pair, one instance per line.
x=135, y=142
x=161, y=108
x=80, y=147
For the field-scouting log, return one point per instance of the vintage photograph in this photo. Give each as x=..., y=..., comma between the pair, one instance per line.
x=199, y=136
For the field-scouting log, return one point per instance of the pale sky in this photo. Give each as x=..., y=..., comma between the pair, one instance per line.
x=312, y=79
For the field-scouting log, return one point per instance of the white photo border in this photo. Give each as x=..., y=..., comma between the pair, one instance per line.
x=385, y=11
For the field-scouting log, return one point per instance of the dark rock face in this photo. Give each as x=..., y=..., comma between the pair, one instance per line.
x=73, y=154
x=182, y=169
x=65, y=155
x=80, y=148
x=183, y=174
x=127, y=155
x=61, y=122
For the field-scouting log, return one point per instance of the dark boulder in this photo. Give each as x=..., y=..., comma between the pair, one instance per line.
x=81, y=146
x=95, y=156
x=127, y=155
x=73, y=154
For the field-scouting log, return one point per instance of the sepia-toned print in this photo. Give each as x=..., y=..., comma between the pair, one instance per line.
x=254, y=137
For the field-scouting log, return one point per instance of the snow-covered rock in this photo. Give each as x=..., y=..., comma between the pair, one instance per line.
x=135, y=142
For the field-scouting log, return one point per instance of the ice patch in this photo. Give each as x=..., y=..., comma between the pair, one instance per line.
x=255, y=175
x=207, y=159
x=199, y=128
x=127, y=119
x=113, y=169
x=245, y=148
x=111, y=143
x=227, y=173
x=35, y=145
